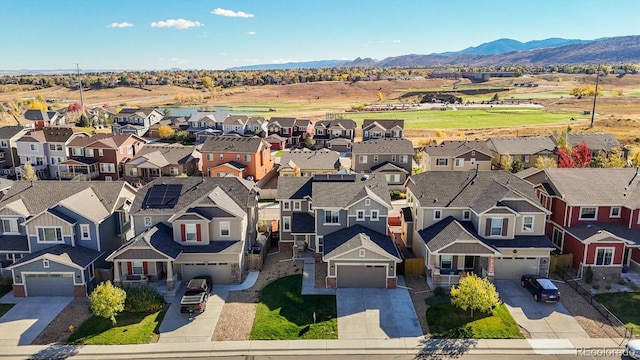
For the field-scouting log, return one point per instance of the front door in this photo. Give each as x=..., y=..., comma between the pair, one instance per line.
x=626, y=258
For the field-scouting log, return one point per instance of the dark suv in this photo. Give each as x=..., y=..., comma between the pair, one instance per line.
x=541, y=287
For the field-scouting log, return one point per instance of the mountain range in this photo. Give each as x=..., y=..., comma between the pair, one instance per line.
x=552, y=51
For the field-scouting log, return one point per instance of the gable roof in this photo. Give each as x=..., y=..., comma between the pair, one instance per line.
x=386, y=124
x=456, y=148
x=76, y=256
x=104, y=141
x=7, y=132
x=234, y=144
x=449, y=231
x=594, y=141
x=284, y=122
x=522, y=145
x=383, y=146
x=236, y=119
x=479, y=190
x=340, y=191
x=294, y=187
x=308, y=159
x=596, y=186
x=163, y=154
x=357, y=236
x=347, y=124
x=40, y=115
x=216, y=116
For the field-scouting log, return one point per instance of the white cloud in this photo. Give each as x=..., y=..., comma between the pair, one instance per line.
x=251, y=33
x=120, y=25
x=178, y=60
x=176, y=23
x=231, y=13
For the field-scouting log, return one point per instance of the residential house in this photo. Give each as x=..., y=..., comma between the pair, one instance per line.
x=342, y=219
x=42, y=118
x=187, y=227
x=305, y=162
x=135, y=121
x=382, y=128
x=461, y=155
x=276, y=141
x=56, y=234
x=9, y=158
x=486, y=222
x=235, y=124
x=245, y=157
x=256, y=126
x=45, y=149
x=99, y=157
x=176, y=123
x=595, y=216
x=390, y=157
x=159, y=160
x=336, y=134
x=294, y=130
x=206, y=123
x=527, y=149
x=597, y=142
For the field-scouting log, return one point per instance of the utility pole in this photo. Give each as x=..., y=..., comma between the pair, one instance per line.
x=595, y=96
x=82, y=99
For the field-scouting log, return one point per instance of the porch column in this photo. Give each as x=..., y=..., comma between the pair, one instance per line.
x=170, y=275
x=116, y=272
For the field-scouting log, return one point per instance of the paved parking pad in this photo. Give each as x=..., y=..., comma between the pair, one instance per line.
x=376, y=314
x=541, y=320
x=28, y=317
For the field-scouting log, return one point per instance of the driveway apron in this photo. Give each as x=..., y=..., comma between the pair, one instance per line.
x=26, y=320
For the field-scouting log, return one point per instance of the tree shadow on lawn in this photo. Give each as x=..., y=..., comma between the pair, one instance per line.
x=96, y=325
x=56, y=352
x=444, y=348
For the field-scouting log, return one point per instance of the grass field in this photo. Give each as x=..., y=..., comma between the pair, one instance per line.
x=625, y=306
x=4, y=308
x=448, y=321
x=132, y=328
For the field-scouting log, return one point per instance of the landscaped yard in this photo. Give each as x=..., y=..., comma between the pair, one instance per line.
x=625, y=306
x=284, y=314
x=448, y=321
x=4, y=308
x=132, y=328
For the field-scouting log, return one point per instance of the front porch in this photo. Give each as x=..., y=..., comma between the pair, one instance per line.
x=82, y=169
x=452, y=268
x=157, y=274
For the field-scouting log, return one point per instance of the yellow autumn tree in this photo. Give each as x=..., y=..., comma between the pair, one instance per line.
x=165, y=131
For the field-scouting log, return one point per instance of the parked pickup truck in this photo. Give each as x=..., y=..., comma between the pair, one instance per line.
x=196, y=296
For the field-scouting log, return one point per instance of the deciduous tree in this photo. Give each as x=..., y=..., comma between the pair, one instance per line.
x=29, y=174
x=474, y=293
x=107, y=301
x=545, y=162
x=166, y=131
x=581, y=155
x=505, y=162
x=565, y=160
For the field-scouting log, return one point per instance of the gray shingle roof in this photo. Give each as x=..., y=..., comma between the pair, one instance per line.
x=479, y=190
x=78, y=255
x=522, y=145
x=14, y=243
x=345, y=123
x=383, y=146
x=7, y=132
x=585, y=231
x=387, y=124
x=595, y=141
x=355, y=236
x=171, y=153
x=457, y=148
x=311, y=160
x=285, y=122
x=596, y=186
x=447, y=231
x=303, y=223
x=339, y=194
x=234, y=144
x=294, y=187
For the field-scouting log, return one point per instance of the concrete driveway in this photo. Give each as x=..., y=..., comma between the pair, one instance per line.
x=541, y=320
x=26, y=320
x=376, y=314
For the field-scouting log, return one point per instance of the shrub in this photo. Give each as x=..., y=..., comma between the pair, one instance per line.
x=588, y=275
x=439, y=291
x=596, y=285
x=396, y=195
x=143, y=299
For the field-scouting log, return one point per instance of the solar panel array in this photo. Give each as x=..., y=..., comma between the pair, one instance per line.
x=162, y=196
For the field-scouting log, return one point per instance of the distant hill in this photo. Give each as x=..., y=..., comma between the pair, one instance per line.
x=292, y=65
x=502, y=46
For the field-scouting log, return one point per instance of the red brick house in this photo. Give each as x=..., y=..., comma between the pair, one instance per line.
x=245, y=157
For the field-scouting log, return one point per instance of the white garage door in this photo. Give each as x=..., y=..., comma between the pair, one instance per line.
x=49, y=284
x=362, y=276
x=514, y=268
x=219, y=272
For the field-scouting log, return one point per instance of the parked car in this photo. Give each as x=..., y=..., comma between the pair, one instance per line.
x=632, y=350
x=196, y=296
x=540, y=287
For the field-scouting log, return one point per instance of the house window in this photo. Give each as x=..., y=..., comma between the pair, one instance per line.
x=332, y=217
x=361, y=253
x=496, y=227
x=320, y=243
x=362, y=159
x=52, y=147
x=45, y=263
x=88, y=152
x=133, y=172
x=147, y=221
x=392, y=178
x=238, y=157
x=393, y=158
x=49, y=234
x=375, y=158
x=615, y=212
x=247, y=158
x=85, y=234
x=459, y=162
x=4, y=144
x=10, y=226
x=107, y=168
x=367, y=202
x=173, y=170
x=76, y=152
x=404, y=159
x=130, y=150
x=374, y=215
x=446, y=261
x=604, y=256
x=286, y=205
x=543, y=200
x=190, y=232
x=210, y=157
x=525, y=159
x=101, y=152
x=137, y=268
x=33, y=147
x=296, y=205
x=91, y=272
x=588, y=213
x=442, y=162
x=527, y=223
x=286, y=223
x=360, y=215
x=225, y=229
x=437, y=214
x=557, y=238
x=466, y=214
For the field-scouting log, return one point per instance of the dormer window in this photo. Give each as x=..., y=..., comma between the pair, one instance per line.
x=362, y=253
x=466, y=215
x=527, y=223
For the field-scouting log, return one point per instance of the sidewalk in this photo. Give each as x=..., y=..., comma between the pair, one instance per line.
x=308, y=280
x=399, y=346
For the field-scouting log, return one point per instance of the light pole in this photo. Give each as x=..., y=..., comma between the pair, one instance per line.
x=595, y=96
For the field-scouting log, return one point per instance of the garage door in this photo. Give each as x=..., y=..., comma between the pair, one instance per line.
x=49, y=284
x=219, y=272
x=362, y=276
x=513, y=268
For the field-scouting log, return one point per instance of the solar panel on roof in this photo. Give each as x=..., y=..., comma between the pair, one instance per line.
x=162, y=196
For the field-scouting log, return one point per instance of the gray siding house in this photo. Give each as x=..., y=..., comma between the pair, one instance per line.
x=392, y=158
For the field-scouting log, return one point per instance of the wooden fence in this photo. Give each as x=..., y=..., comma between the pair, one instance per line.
x=414, y=266
x=559, y=262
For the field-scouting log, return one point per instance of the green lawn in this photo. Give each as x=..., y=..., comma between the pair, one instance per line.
x=4, y=289
x=4, y=308
x=448, y=321
x=625, y=306
x=132, y=328
x=283, y=313
x=278, y=153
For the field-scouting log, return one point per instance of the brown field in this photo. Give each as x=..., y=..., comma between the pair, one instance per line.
x=619, y=115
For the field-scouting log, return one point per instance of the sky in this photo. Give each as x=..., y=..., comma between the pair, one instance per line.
x=216, y=35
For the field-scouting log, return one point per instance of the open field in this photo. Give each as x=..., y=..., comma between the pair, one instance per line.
x=619, y=115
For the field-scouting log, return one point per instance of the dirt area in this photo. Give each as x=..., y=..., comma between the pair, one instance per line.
x=57, y=332
x=239, y=311
x=419, y=291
